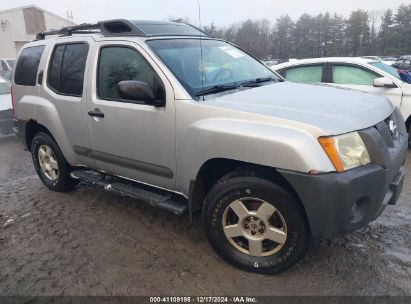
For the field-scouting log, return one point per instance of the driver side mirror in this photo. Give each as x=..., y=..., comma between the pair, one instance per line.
x=139, y=91
x=384, y=82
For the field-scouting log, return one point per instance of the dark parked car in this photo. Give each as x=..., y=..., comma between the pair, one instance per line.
x=404, y=63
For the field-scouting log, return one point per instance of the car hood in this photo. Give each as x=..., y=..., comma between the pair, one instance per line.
x=5, y=102
x=334, y=110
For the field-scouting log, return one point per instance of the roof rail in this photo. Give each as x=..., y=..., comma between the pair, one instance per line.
x=68, y=31
x=123, y=27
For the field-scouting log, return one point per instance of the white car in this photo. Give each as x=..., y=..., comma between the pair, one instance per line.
x=387, y=60
x=6, y=117
x=7, y=64
x=5, y=96
x=354, y=73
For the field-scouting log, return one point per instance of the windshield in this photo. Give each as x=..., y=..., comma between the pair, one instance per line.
x=4, y=88
x=223, y=64
x=11, y=63
x=386, y=68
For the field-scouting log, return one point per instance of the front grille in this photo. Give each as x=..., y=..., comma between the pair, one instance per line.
x=384, y=130
x=390, y=128
x=387, y=148
x=392, y=125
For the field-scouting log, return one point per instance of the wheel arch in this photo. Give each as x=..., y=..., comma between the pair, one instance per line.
x=216, y=169
x=31, y=129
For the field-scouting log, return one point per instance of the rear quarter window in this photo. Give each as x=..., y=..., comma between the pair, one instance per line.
x=27, y=66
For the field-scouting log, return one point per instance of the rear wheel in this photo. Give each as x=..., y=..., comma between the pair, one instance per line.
x=255, y=224
x=50, y=164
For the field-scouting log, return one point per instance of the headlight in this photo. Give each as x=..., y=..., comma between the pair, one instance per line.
x=345, y=151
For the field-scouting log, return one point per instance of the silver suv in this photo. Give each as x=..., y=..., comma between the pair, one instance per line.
x=163, y=113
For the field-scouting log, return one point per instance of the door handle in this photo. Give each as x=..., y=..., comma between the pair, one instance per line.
x=96, y=113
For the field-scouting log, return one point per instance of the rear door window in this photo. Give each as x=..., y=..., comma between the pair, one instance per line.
x=27, y=66
x=307, y=74
x=346, y=74
x=66, y=70
x=55, y=67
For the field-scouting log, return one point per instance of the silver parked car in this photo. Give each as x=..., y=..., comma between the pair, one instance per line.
x=163, y=113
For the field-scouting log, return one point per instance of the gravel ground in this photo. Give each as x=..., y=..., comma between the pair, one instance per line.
x=91, y=242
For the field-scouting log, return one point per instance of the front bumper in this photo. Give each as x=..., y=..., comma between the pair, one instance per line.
x=336, y=203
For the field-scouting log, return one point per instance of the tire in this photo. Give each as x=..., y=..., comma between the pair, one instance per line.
x=59, y=180
x=253, y=192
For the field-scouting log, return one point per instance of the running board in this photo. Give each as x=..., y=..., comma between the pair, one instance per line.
x=165, y=201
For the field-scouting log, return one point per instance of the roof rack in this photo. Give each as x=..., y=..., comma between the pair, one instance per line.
x=123, y=27
x=68, y=31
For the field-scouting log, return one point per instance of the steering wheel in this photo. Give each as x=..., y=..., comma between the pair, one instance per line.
x=223, y=72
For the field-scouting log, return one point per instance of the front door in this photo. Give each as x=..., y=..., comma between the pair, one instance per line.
x=359, y=78
x=130, y=138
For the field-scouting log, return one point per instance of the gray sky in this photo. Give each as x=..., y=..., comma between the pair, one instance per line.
x=222, y=12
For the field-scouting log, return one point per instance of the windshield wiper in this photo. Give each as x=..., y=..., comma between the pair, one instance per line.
x=226, y=87
x=257, y=81
x=217, y=89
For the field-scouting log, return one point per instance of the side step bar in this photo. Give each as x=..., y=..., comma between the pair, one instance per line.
x=165, y=201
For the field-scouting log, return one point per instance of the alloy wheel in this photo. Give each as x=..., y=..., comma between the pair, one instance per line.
x=48, y=162
x=254, y=227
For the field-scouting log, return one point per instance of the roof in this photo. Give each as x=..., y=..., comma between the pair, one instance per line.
x=358, y=60
x=20, y=8
x=123, y=27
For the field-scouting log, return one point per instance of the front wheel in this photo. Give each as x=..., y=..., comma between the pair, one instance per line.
x=255, y=224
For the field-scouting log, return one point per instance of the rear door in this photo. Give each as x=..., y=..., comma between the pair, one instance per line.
x=360, y=78
x=62, y=83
